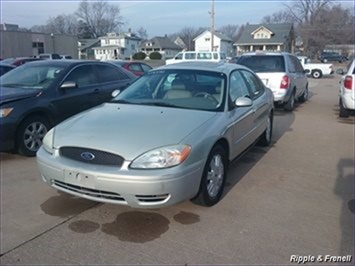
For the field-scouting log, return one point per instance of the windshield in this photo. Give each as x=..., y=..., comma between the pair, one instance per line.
x=31, y=76
x=263, y=63
x=8, y=61
x=188, y=89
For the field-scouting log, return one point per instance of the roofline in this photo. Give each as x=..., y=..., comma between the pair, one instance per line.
x=262, y=26
x=274, y=43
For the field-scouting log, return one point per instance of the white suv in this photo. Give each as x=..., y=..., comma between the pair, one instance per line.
x=282, y=73
x=346, y=92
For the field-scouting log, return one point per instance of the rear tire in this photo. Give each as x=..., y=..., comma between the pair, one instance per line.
x=343, y=113
x=304, y=97
x=317, y=74
x=30, y=135
x=290, y=105
x=213, y=177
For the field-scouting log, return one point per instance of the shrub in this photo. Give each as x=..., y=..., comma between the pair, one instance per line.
x=139, y=56
x=155, y=56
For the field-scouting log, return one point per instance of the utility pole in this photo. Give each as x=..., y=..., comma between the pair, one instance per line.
x=212, y=26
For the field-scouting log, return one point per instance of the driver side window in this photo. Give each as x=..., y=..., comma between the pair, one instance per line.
x=83, y=76
x=237, y=87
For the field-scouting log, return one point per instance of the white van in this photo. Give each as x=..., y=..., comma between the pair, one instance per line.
x=193, y=56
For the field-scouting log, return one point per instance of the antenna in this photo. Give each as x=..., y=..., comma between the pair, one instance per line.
x=212, y=26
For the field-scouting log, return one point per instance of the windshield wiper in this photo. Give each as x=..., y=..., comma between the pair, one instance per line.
x=162, y=104
x=120, y=101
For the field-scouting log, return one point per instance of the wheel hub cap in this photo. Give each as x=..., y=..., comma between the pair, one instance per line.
x=215, y=176
x=34, y=133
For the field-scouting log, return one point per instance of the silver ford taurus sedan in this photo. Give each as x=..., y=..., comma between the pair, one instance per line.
x=167, y=138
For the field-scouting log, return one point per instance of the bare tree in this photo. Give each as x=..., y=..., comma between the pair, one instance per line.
x=230, y=31
x=142, y=33
x=188, y=34
x=305, y=11
x=282, y=16
x=63, y=24
x=100, y=17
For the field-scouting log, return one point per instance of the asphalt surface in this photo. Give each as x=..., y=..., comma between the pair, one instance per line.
x=294, y=198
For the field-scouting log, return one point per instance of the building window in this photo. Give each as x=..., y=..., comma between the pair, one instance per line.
x=207, y=39
x=133, y=47
x=39, y=46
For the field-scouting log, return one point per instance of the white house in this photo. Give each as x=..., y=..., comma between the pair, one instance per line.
x=117, y=46
x=221, y=43
x=163, y=45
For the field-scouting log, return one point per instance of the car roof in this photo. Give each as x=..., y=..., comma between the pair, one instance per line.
x=67, y=62
x=219, y=67
x=264, y=53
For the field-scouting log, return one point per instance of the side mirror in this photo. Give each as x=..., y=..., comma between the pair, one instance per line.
x=115, y=93
x=243, y=102
x=340, y=71
x=68, y=85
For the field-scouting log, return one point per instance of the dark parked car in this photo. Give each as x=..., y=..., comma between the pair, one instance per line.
x=5, y=68
x=332, y=56
x=137, y=68
x=18, y=61
x=39, y=95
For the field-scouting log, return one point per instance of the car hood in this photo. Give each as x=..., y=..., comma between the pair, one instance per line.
x=13, y=94
x=129, y=130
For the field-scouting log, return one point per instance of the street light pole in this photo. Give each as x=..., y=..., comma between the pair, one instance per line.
x=212, y=26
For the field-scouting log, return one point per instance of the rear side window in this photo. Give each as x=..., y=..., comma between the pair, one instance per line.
x=109, y=73
x=204, y=56
x=135, y=67
x=190, y=56
x=296, y=64
x=263, y=63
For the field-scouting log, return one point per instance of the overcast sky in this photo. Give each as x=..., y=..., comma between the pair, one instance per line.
x=157, y=17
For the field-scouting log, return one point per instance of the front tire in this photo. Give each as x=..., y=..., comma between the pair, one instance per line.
x=30, y=134
x=213, y=177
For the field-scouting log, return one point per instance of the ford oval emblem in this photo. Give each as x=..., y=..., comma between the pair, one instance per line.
x=88, y=156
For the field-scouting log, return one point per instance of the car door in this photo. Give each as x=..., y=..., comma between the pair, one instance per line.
x=301, y=78
x=110, y=78
x=241, y=118
x=260, y=103
x=73, y=100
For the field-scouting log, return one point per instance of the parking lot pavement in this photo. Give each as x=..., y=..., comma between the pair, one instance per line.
x=294, y=198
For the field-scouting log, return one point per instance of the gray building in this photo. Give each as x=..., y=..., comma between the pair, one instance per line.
x=266, y=37
x=21, y=44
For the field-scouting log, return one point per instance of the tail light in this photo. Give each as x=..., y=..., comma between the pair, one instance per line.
x=348, y=82
x=285, y=82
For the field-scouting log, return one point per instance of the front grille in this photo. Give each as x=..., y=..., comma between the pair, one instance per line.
x=88, y=191
x=93, y=156
x=152, y=198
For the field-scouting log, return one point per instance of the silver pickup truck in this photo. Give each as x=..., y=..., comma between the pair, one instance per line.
x=316, y=70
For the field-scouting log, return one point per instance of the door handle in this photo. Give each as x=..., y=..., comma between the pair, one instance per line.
x=96, y=91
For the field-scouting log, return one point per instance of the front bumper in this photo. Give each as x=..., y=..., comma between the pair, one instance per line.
x=7, y=134
x=135, y=188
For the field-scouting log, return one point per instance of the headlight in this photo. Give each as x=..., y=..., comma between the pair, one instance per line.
x=48, y=141
x=162, y=157
x=4, y=112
